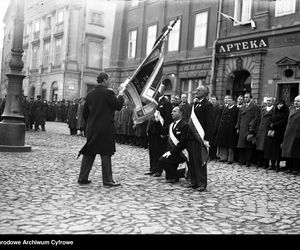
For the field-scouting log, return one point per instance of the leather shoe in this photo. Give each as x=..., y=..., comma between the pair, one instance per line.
x=111, y=184
x=230, y=162
x=149, y=173
x=157, y=174
x=173, y=180
x=200, y=189
x=83, y=182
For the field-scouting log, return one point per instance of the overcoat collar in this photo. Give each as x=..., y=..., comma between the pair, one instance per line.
x=294, y=111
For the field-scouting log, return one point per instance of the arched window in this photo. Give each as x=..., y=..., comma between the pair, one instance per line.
x=44, y=91
x=54, y=92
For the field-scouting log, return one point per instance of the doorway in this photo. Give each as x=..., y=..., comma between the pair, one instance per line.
x=238, y=83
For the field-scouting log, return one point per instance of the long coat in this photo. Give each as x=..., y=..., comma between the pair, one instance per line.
x=72, y=114
x=80, y=119
x=226, y=136
x=247, y=123
x=291, y=139
x=272, y=150
x=265, y=121
x=99, y=108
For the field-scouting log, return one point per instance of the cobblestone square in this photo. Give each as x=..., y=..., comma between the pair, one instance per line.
x=40, y=195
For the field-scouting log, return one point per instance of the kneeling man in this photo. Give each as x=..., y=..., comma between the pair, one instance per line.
x=176, y=154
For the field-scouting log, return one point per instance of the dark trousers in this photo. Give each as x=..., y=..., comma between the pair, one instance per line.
x=213, y=152
x=245, y=155
x=197, y=171
x=157, y=147
x=170, y=166
x=87, y=163
x=293, y=164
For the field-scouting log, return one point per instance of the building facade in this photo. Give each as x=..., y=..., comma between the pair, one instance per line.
x=260, y=51
x=188, y=50
x=255, y=49
x=66, y=43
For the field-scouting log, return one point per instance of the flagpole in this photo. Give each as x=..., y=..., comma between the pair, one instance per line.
x=157, y=43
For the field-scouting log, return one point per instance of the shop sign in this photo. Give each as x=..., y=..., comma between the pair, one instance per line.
x=242, y=45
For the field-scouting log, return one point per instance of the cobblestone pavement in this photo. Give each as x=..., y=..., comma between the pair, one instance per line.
x=40, y=195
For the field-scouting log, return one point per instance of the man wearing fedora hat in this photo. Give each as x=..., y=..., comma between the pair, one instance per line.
x=246, y=126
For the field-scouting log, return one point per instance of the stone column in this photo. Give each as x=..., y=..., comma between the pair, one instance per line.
x=12, y=127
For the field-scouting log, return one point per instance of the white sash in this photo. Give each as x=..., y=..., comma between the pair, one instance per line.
x=198, y=131
x=175, y=141
x=197, y=125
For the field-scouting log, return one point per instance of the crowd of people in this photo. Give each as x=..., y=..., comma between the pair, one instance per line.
x=37, y=112
x=194, y=133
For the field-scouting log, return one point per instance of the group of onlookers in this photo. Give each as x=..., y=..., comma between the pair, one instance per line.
x=264, y=135
x=37, y=112
x=244, y=132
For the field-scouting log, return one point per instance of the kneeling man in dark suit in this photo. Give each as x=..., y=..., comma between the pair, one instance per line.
x=176, y=154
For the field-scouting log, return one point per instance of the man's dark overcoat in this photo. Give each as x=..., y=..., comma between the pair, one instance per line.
x=291, y=139
x=99, y=108
x=226, y=136
x=72, y=114
x=247, y=123
x=265, y=120
x=272, y=150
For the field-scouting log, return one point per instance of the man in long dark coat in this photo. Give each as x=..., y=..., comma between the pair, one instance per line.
x=99, y=108
x=291, y=139
x=246, y=126
x=226, y=137
x=201, y=121
x=261, y=135
x=157, y=141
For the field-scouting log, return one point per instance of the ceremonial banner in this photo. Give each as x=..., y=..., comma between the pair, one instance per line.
x=142, y=87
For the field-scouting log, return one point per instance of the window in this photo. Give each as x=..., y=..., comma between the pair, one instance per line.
x=36, y=26
x=285, y=7
x=200, y=29
x=173, y=40
x=97, y=18
x=24, y=58
x=189, y=86
x=151, y=37
x=134, y=3
x=132, y=43
x=94, y=54
x=242, y=10
x=36, y=30
x=46, y=55
x=26, y=34
x=48, y=23
x=60, y=16
x=57, y=59
x=35, y=51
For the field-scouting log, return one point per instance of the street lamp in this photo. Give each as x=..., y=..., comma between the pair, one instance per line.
x=12, y=126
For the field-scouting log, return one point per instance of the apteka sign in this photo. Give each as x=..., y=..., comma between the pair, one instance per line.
x=247, y=44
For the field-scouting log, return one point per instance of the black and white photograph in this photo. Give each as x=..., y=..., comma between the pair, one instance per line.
x=148, y=117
